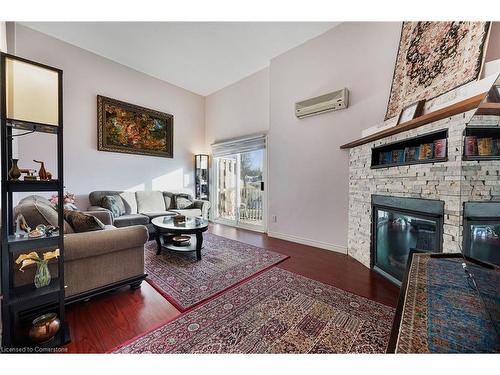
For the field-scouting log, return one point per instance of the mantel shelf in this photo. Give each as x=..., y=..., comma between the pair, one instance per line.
x=451, y=110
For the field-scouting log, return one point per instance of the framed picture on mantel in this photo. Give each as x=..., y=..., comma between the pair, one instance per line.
x=128, y=128
x=412, y=111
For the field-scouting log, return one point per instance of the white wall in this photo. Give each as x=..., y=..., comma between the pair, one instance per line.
x=85, y=76
x=239, y=109
x=309, y=173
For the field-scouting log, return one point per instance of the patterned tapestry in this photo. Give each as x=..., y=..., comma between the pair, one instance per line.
x=434, y=58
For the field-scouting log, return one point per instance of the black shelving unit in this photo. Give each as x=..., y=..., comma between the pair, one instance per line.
x=201, y=169
x=410, y=142
x=21, y=304
x=483, y=131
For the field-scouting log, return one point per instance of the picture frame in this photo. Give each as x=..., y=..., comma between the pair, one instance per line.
x=128, y=128
x=411, y=111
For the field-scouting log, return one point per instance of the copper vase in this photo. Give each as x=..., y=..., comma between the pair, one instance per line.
x=42, y=173
x=44, y=328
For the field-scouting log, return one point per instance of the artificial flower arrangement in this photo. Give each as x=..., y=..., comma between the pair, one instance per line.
x=42, y=276
x=69, y=200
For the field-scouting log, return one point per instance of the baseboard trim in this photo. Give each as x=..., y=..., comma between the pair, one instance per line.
x=306, y=241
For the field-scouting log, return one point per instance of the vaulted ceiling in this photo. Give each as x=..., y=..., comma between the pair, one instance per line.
x=202, y=57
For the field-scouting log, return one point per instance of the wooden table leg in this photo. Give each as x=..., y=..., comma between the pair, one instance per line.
x=158, y=242
x=199, y=244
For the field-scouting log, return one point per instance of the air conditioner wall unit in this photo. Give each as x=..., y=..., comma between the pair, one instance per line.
x=325, y=103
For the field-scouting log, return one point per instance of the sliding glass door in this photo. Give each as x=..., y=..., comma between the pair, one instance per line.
x=239, y=189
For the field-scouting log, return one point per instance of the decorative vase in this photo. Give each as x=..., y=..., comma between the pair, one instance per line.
x=42, y=275
x=14, y=172
x=44, y=328
x=42, y=173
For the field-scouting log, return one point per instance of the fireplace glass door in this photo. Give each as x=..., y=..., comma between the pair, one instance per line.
x=484, y=242
x=396, y=233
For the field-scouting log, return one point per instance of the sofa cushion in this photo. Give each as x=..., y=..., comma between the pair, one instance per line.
x=152, y=215
x=114, y=203
x=131, y=219
x=193, y=212
x=150, y=201
x=129, y=201
x=36, y=211
x=96, y=196
x=169, y=200
x=81, y=222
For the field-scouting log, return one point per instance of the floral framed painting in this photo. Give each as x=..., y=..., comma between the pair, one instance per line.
x=131, y=129
x=434, y=58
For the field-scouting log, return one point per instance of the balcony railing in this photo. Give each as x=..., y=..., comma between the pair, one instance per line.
x=251, y=204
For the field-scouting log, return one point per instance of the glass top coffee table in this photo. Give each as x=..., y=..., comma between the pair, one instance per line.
x=166, y=229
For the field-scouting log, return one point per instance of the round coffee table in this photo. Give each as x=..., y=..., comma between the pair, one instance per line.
x=166, y=227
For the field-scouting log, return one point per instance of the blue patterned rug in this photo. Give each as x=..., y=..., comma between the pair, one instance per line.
x=443, y=311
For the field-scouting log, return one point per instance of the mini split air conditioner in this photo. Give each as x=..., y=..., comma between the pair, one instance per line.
x=325, y=103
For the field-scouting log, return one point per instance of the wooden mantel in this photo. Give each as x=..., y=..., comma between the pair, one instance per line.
x=453, y=109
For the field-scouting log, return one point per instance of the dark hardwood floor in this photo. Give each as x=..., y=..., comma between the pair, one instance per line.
x=109, y=320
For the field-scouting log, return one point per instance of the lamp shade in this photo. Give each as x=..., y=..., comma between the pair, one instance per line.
x=32, y=92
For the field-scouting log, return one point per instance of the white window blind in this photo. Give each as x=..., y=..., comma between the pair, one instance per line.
x=239, y=145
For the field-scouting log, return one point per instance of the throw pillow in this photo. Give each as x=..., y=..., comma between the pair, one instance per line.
x=114, y=204
x=183, y=203
x=81, y=222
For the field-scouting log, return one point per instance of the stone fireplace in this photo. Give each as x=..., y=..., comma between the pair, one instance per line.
x=452, y=181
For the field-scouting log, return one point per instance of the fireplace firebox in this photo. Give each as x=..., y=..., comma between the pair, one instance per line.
x=400, y=225
x=482, y=231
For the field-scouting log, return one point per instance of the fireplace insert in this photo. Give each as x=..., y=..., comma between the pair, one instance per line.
x=482, y=231
x=400, y=225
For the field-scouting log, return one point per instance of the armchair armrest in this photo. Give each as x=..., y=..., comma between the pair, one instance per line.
x=204, y=206
x=88, y=244
x=97, y=208
x=103, y=215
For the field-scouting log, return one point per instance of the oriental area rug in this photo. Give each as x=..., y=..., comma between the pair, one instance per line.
x=444, y=313
x=186, y=282
x=276, y=312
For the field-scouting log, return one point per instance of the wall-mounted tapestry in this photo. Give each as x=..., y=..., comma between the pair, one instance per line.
x=434, y=58
x=128, y=128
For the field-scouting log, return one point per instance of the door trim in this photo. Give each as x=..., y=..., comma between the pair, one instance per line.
x=214, y=198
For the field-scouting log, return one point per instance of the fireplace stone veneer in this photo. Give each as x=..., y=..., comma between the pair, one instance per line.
x=454, y=181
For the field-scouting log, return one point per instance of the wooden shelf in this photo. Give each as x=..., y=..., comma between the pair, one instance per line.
x=32, y=126
x=451, y=110
x=488, y=109
x=427, y=161
x=26, y=243
x=28, y=296
x=481, y=158
x=32, y=186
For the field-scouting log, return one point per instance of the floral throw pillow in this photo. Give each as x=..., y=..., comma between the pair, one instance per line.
x=114, y=204
x=81, y=222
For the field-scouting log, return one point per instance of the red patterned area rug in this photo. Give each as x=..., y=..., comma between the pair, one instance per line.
x=186, y=282
x=276, y=312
